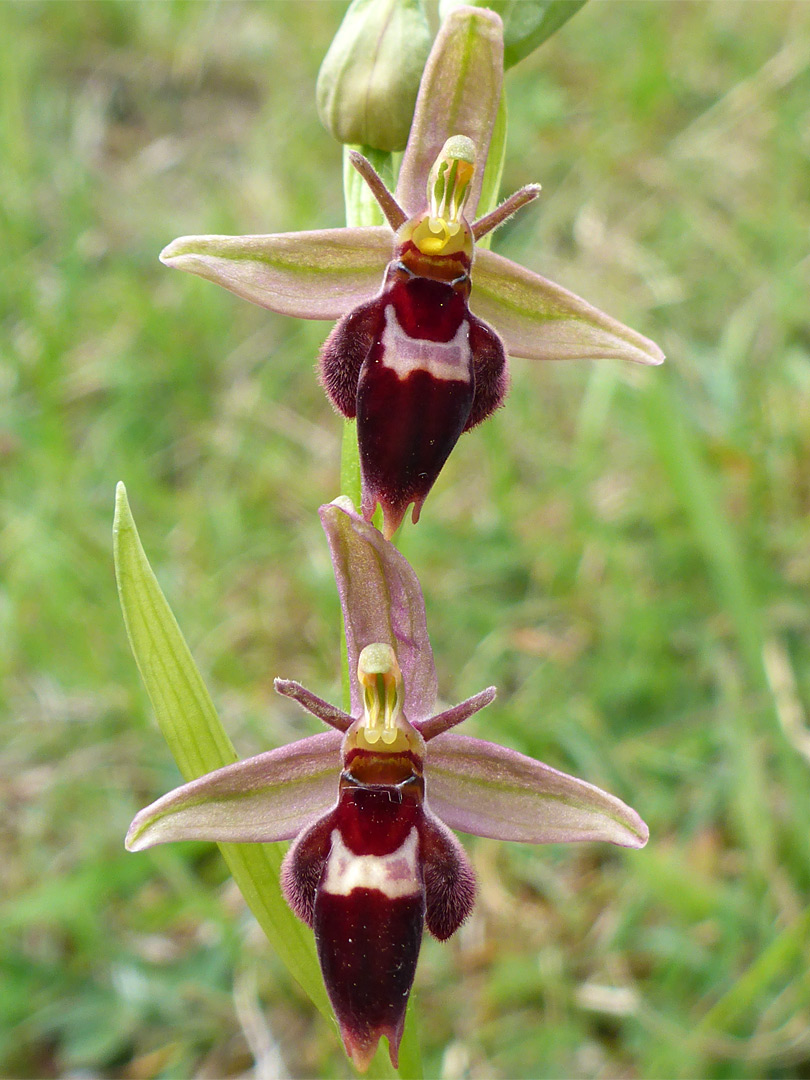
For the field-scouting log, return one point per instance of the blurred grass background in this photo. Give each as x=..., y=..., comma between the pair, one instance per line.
x=624, y=552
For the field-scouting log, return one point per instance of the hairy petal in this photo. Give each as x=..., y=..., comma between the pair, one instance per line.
x=311, y=275
x=268, y=797
x=478, y=787
x=344, y=351
x=382, y=602
x=449, y=878
x=539, y=320
x=458, y=95
x=491, y=372
x=303, y=865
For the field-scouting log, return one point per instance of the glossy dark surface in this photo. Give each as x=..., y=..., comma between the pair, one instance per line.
x=368, y=946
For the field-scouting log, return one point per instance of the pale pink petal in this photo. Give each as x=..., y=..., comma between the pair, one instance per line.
x=458, y=95
x=310, y=275
x=382, y=602
x=268, y=797
x=539, y=320
x=481, y=788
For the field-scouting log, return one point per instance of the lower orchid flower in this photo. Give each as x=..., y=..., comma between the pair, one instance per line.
x=369, y=804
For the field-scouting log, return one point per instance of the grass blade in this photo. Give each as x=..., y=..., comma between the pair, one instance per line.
x=199, y=744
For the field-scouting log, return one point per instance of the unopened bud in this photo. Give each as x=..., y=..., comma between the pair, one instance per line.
x=369, y=78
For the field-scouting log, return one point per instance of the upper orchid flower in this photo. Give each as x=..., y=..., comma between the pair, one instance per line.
x=412, y=360
x=369, y=804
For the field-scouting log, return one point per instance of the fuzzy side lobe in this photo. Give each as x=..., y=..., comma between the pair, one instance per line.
x=344, y=351
x=449, y=878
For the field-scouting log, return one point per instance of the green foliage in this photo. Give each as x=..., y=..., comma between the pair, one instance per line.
x=199, y=743
x=528, y=23
x=634, y=542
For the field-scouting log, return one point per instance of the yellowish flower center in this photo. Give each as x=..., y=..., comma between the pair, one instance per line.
x=383, y=727
x=442, y=230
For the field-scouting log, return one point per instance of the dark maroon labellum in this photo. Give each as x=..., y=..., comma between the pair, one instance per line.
x=369, y=913
x=367, y=877
x=416, y=368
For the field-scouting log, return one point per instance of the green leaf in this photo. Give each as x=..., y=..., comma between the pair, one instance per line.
x=199, y=744
x=493, y=171
x=528, y=23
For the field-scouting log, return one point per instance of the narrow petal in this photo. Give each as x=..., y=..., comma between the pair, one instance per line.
x=458, y=95
x=310, y=275
x=443, y=721
x=542, y=321
x=268, y=797
x=382, y=602
x=330, y=714
x=481, y=788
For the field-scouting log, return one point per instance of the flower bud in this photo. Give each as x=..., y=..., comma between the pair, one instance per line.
x=369, y=78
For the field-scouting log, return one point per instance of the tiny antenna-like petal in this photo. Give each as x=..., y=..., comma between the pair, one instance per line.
x=330, y=714
x=394, y=214
x=443, y=721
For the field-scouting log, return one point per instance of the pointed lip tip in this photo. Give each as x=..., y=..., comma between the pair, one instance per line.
x=362, y=1056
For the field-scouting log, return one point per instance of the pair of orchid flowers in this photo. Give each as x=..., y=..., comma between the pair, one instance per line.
x=417, y=363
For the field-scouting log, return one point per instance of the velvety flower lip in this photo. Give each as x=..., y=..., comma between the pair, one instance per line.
x=409, y=415
x=369, y=802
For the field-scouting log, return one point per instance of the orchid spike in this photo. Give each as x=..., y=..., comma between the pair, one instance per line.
x=369, y=802
x=421, y=358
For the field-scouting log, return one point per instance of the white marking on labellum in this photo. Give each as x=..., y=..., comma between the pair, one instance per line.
x=394, y=875
x=442, y=359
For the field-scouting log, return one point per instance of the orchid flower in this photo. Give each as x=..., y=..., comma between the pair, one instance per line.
x=426, y=319
x=371, y=803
